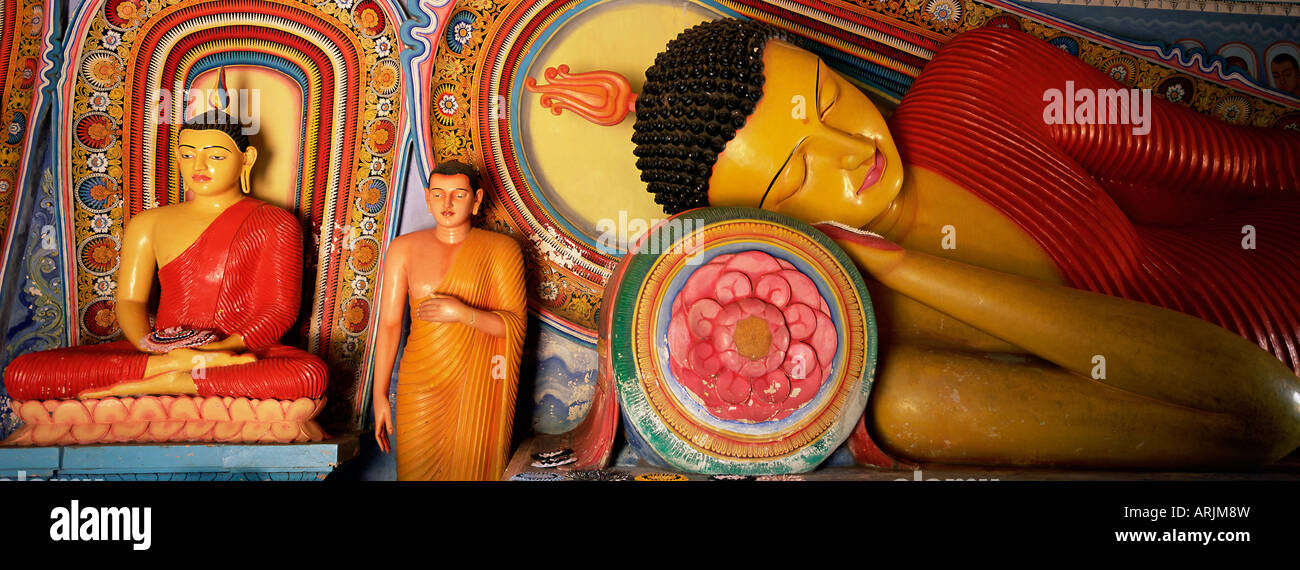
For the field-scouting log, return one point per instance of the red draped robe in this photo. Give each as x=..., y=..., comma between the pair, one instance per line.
x=1158, y=218
x=242, y=275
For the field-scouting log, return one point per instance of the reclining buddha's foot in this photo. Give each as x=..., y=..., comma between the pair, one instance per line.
x=175, y=382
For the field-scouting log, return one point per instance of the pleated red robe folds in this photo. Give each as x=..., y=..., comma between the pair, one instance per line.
x=242, y=275
x=1158, y=218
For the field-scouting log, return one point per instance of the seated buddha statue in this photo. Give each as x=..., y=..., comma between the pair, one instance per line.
x=1052, y=294
x=229, y=268
x=459, y=373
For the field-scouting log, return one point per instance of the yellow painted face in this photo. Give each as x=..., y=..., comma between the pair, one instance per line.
x=815, y=147
x=450, y=199
x=210, y=162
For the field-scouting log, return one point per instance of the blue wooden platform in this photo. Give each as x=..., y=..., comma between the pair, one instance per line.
x=179, y=461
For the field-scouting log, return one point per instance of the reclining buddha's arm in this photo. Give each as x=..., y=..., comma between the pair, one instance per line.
x=135, y=278
x=1153, y=352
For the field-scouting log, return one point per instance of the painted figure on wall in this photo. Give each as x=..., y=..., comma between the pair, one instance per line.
x=1286, y=74
x=459, y=373
x=229, y=268
x=1040, y=338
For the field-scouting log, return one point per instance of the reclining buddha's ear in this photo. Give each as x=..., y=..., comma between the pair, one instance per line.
x=478, y=200
x=250, y=156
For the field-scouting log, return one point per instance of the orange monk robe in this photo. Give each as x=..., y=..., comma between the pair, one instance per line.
x=456, y=385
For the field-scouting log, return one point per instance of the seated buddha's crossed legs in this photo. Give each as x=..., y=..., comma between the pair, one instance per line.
x=117, y=368
x=171, y=373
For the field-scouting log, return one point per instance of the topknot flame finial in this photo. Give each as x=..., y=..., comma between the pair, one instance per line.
x=602, y=97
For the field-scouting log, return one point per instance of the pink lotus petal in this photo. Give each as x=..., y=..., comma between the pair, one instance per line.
x=732, y=285
x=773, y=361
x=700, y=285
x=801, y=391
x=722, y=260
x=688, y=379
x=729, y=316
x=802, y=289
x=751, y=306
x=731, y=360
x=799, y=361
x=800, y=320
x=732, y=388
x=780, y=336
x=679, y=340
x=753, y=263
x=824, y=339
x=701, y=315
x=702, y=359
x=772, y=388
x=774, y=289
x=825, y=309
x=752, y=368
x=784, y=264
x=773, y=315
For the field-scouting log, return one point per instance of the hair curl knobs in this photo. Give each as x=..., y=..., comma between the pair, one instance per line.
x=698, y=93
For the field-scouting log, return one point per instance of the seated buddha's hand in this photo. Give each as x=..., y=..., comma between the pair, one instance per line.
x=439, y=308
x=232, y=343
x=193, y=359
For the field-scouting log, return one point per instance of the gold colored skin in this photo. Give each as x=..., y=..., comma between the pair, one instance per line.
x=415, y=265
x=210, y=165
x=986, y=357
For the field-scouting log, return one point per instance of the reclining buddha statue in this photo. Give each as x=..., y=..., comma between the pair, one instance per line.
x=229, y=267
x=1041, y=338
x=1048, y=292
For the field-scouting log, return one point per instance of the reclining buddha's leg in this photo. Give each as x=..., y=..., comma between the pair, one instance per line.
x=948, y=406
x=1165, y=372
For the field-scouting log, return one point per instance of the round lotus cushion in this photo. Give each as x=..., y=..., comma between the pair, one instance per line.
x=740, y=341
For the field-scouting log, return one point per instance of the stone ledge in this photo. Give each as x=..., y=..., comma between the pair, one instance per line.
x=179, y=461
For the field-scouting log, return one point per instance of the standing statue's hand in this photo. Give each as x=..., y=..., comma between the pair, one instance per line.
x=383, y=423
x=442, y=309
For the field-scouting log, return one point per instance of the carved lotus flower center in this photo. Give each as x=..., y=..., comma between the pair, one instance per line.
x=750, y=337
x=753, y=340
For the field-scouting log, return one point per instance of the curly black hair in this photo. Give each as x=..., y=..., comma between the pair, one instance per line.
x=218, y=121
x=699, y=92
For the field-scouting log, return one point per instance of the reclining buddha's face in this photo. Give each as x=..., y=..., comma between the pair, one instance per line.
x=815, y=147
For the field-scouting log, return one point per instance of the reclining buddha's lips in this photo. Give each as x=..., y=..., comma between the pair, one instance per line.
x=873, y=175
x=200, y=178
